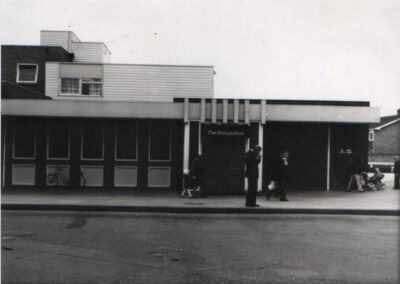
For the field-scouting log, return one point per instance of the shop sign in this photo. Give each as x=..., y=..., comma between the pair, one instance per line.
x=225, y=131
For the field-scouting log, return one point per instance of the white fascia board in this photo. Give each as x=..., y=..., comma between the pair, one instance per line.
x=75, y=108
x=323, y=113
x=170, y=110
x=387, y=124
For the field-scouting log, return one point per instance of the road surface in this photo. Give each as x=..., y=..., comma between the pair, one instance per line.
x=77, y=247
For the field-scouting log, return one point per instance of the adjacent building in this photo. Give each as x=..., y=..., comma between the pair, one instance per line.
x=384, y=141
x=137, y=127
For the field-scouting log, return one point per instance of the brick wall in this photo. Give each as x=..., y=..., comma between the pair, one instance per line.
x=11, y=55
x=386, y=144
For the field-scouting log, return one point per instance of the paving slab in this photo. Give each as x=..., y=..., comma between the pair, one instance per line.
x=381, y=202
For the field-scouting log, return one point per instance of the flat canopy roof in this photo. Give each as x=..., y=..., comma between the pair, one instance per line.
x=227, y=111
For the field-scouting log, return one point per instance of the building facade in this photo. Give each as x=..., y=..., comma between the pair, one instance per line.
x=138, y=127
x=384, y=142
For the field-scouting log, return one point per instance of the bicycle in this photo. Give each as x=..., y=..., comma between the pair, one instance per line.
x=59, y=178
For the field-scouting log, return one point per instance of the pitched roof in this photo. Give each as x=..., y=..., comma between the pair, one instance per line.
x=11, y=90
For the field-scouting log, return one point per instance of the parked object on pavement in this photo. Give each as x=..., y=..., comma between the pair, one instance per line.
x=197, y=172
x=190, y=186
x=396, y=171
x=373, y=182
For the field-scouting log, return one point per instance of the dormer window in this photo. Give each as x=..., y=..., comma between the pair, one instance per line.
x=81, y=86
x=27, y=73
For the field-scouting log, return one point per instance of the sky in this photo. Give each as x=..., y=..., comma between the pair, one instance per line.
x=270, y=49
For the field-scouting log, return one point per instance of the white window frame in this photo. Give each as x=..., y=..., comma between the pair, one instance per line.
x=27, y=64
x=371, y=139
x=79, y=94
x=116, y=140
x=125, y=167
x=63, y=166
x=48, y=144
x=70, y=94
x=82, y=168
x=158, y=167
x=371, y=136
x=13, y=178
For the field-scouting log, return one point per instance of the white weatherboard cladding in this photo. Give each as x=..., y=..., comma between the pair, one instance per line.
x=52, y=79
x=154, y=82
x=55, y=38
x=88, y=52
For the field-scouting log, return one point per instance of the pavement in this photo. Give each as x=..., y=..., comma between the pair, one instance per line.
x=385, y=202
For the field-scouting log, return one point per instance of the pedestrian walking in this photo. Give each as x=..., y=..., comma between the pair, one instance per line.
x=252, y=159
x=198, y=172
x=396, y=171
x=355, y=174
x=280, y=177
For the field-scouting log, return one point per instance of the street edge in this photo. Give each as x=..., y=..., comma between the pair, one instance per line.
x=199, y=210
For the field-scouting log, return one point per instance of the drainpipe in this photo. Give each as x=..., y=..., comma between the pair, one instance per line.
x=328, y=166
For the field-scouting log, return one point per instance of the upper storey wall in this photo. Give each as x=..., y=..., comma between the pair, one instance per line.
x=85, y=52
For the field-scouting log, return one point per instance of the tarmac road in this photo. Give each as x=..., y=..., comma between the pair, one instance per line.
x=77, y=247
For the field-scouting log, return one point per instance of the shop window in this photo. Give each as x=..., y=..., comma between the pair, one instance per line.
x=160, y=141
x=81, y=86
x=126, y=140
x=58, y=139
x=92, y=140
x=24, y=138
x=27, y=73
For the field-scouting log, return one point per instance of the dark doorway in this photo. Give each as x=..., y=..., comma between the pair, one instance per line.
x=307, y=144
x=224, y=158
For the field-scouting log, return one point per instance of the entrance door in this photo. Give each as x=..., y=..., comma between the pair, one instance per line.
x=224, y=158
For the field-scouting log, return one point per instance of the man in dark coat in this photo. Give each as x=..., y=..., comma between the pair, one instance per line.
x=197, y=172
x=252, y=159
x=396, y=172
x=280, y=175
x=355, y=171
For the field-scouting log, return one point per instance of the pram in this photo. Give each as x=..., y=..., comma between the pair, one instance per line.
x=374, y=182
x=190, y=186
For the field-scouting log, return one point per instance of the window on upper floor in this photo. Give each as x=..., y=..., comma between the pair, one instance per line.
x=371, y=136
x=70, y=86
x=27, y=73
x=81, y=86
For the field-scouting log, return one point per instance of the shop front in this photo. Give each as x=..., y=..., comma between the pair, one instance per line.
x=128, y=154
x=223, y=149
x=148, y=145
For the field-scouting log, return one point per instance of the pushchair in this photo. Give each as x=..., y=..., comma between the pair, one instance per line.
x=190, y=186
x=374, y=182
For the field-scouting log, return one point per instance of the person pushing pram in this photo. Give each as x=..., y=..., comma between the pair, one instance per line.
x=193, y=183
x=375, y=181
